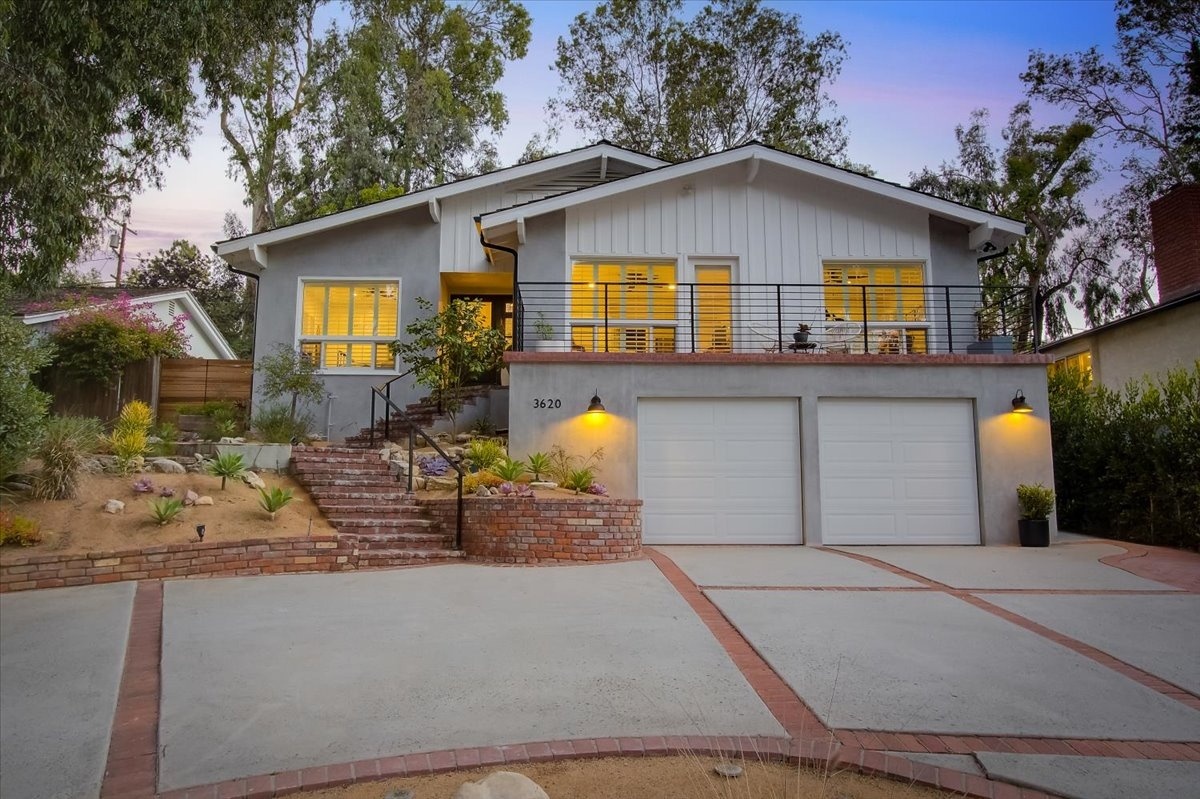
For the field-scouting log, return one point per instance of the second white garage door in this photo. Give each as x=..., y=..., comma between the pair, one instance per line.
x=719, y=471
x=898, y=471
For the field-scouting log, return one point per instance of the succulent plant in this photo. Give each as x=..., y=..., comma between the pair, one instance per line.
x=143, y=485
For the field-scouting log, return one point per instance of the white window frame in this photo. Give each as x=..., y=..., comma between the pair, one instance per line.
x=299, y=337
x=877, y=329
x=597, y=323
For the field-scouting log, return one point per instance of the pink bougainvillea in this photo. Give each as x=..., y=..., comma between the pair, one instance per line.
x=96, y=341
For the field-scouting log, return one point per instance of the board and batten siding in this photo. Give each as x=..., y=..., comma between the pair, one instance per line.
x=779, y=228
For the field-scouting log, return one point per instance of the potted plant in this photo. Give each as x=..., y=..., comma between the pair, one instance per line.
x=1036, y=502
x=545, y=337
x=800, y=336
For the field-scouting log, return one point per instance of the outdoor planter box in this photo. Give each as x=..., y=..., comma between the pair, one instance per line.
x=996, y=345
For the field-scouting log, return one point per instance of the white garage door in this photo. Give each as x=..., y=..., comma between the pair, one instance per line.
x=898, y=472
x=719, y=471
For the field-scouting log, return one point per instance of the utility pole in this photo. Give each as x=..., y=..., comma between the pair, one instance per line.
x=121, y=247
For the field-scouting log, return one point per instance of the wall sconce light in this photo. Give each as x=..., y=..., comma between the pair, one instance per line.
x=1019, y=405
x=596, y=405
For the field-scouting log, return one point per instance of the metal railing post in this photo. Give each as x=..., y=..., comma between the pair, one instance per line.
x=459, y=521
x=692, y=313
x=949, y=321
x=371, y=440
x=779, y=316
x=606, y=317
x=866, y=330
x=410, y=459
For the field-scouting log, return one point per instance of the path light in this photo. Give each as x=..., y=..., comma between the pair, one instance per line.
x=200, y=531
x=1019, y=405
x=596, y=405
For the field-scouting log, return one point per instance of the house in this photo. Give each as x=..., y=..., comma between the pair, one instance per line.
x=1161, y=338
x=204, y=339
x=787, y=352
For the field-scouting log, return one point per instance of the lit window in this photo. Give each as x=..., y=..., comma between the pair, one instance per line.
x=638, y=301
x=1080, y=362
x=348, y=325
x=884, y=292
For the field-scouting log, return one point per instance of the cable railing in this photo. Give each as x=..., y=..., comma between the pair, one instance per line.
x=784, y=318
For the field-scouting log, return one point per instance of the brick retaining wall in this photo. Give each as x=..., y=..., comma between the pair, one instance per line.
x=255, y=556
x=539, y=530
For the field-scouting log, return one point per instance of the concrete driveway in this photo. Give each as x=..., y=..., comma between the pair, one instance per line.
x=1042, y=667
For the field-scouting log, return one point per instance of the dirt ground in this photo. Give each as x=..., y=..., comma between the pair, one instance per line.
x=683, y=777
x=81, y=525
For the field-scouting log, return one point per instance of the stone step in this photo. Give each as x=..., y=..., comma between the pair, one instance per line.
x=398, y=541
x=362, y=496
x=330, y=450
x=359, y=523
x=349, y=456
x=370, y=509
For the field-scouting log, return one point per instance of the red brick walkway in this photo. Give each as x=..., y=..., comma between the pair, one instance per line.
x=133, y=757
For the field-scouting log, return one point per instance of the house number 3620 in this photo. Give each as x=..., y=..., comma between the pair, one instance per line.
x=547, y=403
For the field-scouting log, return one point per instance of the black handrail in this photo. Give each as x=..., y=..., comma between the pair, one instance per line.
x=413, y=428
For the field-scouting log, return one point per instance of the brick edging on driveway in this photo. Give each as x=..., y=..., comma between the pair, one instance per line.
x=814, y=754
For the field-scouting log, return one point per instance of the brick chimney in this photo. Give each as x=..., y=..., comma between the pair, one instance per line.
x=1175, y=226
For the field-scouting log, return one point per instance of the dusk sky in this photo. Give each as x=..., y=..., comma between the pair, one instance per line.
x=913, y=71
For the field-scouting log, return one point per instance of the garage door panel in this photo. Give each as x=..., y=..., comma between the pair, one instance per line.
x=735, y=478
x=910, y=480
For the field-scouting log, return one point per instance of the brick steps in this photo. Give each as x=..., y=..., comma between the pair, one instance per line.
x=421, y=414
x=369, y=508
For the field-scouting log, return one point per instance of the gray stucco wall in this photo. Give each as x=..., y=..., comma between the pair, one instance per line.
x=1011, y=448
x=1149, y=346
x=544, y=258
x=404, y=246
x=952, y=264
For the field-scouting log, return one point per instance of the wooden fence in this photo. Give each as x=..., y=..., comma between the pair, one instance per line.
x=70, y=397
x=190, y=381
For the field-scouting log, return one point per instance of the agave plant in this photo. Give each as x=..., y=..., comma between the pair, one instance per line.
x=164, y=510
x=226, y=465
x=274, y=500
x=509, y=470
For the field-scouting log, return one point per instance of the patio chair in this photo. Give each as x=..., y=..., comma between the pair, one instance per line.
x=839, y=336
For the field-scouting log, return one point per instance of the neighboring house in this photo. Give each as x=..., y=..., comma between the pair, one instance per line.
x=788, y=352
x=204, y=339
x=1167, y=336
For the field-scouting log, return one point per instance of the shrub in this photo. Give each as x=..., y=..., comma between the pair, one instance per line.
x=484, y=453
x=1127, y=463
x=472, y=482
x=96, y=341
x=130, y=436
x=66, y=440
x=164, y=510
x=169, y=434
x=226, y=465
x=222, y=428
x=275, y=425
x=539, y=464
x=580, y=480
x=483, y=426
x=18, y=531
x=1035, y=501
x=510, y=470
x=274, y=500
x=289, y=373
x=562, y=465
x=22, y=405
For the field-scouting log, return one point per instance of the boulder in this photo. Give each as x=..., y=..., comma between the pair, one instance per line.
x=232, y=440
x=441, y=483
x=253, y=480
x=546, y=484
x=91, y=466
x=501, y=785
x=191, y=497
x=463, y=438
x=114, y=506
x=455, y=452
x=483, y=491
x=385, y=454
x=204, y=501
x=167, y=466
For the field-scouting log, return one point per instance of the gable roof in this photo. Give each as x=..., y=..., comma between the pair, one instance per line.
x=104, y=295
x=433, y=194
x=1186, y=299
x=986, y=226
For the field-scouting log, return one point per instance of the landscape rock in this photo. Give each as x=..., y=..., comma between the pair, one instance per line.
x=385, y=454
x=191, y=497
x=114, y=506
x=91, y=466
x=463, y=438
x=501, y=785
x=546, y=484
x=167, y=466
x=455, y=452
x=483, y=491
x=232, y=440
x=441, y=483
x=203, y=501
x=253, y=480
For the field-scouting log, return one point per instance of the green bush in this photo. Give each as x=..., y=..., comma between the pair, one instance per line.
x=169, y=434
x=130, y=437
x=22, y=405
x=66, y=440
x=1127, y=463
x=484, y=453
x=18, y=531
x=1035, y=501
x=275, y=425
